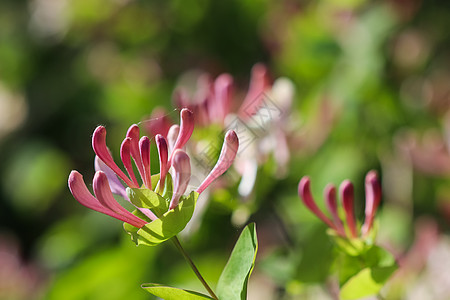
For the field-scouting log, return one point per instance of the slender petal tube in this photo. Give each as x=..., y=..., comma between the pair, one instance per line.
x=81, y=193
x=304, y=191
x=99, y=146
x=133, y=133
x=330, y=201
x=105, y=197
x=373, y=198
x=346, y=193
x=182, y=173
x=186, y=129
x=226, y=158
x=125, y=156
x=144, y=149
x=163, y=152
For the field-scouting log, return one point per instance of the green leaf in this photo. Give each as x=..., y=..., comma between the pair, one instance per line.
x=169, y=224
x=170, y=293
x=145, y=198
x=367, y=282
x=131, y=230
x=366, y=274
x=233, y=282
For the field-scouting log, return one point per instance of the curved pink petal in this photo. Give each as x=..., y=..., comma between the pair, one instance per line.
x=373, y=198
x=144, y=149
x=117, y=187
x=100, y=149
x=330, y=201
x=81, y=194
x=346, y=193
x=125, y=156
x=227, y=155
x=304, y=191
x=182, y=173
x=161, y=144
x=134, y=134
x=186, y=129
x=105, y=197
x=114, y=182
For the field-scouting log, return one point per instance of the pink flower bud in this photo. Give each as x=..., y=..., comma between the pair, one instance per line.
x=304, y=191
x=134, y=133
x=161, y=144
x=226, y=158
x=125, y=156
x=330, y=201
x=186, y=129
x=100, y=149
x=144, y=149
x=106, y=198
x=346, y=193
x=373, y=198
x=84, y=197
x=182, y=173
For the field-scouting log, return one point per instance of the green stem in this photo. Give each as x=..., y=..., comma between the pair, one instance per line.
x=194, y=268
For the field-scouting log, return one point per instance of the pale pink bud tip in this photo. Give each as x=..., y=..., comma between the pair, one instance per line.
x=226, y=159
x=304, y=192
x=182, y=172
x=346, y=192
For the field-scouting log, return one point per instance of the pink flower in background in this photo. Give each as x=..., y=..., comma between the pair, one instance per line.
x=109, y=178
x=373, y=198
x=258, y=116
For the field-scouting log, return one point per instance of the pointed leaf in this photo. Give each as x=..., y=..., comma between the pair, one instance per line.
x=169, y=224
x=233, y=282
x=170, y=293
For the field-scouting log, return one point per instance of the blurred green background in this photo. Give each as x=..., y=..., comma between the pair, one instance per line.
x=372, y=85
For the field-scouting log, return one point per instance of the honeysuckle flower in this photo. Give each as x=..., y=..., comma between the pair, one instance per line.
x=262, y=110
x=373, y=198
x=109, y=177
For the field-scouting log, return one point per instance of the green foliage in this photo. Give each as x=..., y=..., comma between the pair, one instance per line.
x=233, y=282
x=170, y=293
x=364, y=272
x=167, y=225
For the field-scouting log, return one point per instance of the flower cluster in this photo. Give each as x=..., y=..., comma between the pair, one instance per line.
x=259, y=118
x=350, y=229
x=173, y=162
